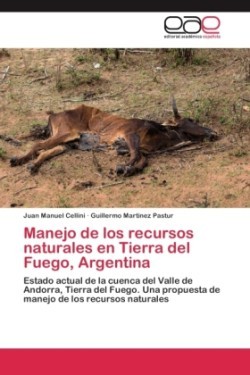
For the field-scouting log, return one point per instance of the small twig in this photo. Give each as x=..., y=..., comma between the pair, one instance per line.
x=247, y=185
x=40, y=79
x=1, y=178
x=74, y=100
x=226, y=65
x=11, y=140
x=220, y=67
x=96, y=163
x=11, y=74
x=83, y=99
x=220, y=149
x=16, y=174
x=138, y=51
x=108, y=185
x=27, y=188
x=173, y=148
x=190, y=149
x=245, y=100
x=5, y=72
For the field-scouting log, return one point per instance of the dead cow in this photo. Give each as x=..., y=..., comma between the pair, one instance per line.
x=140, y=136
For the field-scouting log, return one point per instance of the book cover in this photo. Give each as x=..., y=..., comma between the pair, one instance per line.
x=124, y=155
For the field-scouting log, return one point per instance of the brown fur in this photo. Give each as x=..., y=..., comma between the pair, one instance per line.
x=139, y=135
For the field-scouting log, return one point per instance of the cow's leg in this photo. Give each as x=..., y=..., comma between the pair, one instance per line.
x=44, y=155
x=137, y=161
x=43, y=145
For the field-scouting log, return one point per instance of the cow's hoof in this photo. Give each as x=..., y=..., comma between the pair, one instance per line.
x=125, y=170
x=120, y=170
x=213, y=137
x=32, y=168
x=129, y=170
x=14, y=162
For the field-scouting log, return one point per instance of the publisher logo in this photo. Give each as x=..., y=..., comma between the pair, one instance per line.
x=192, y=27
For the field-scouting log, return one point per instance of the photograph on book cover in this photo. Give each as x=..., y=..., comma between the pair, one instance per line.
x=124, y=182
x=136, y=127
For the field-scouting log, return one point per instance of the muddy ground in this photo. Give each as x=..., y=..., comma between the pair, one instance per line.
x=212, y=87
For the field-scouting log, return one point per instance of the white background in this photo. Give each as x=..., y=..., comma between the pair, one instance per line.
x=220, y=249
x=219, y=257
x=109, y=30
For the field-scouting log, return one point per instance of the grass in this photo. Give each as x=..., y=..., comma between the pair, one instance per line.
x=4, y=53
x=82, y=58
x=74, y=77
x=3, y=154
x=63, y=202
x=204, y=108
x=188, y=56
x=239, y=153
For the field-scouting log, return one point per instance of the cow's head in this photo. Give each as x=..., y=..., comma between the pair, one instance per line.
x=190, y=128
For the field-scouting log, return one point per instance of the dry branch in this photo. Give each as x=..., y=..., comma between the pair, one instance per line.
x=11, y=74
x=96, y=163
x=219, y=149
x=11, y=140
x=190, y=149
x=40, y=79
x=5, y=72
x=76, y=100
x=27, y=188
x=137, y=51
x=16, y=174
x=108, y=185
x=245, y=99
x=173, y=148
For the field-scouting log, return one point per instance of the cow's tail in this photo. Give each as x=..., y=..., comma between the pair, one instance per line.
x=37, y=132
x=40, y=131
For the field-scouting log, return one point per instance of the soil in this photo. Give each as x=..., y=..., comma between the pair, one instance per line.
x=213, y=87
